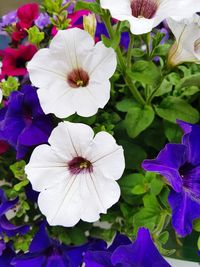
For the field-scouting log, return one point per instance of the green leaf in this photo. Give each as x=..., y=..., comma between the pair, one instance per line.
x=114, y=42
x=163, y=237
x=164, y=88
x=173, y=132
x=193, y=80
x=127, y=183
x=20, y=185
x=35, y=36
x=137, y=52
x=149, y=215
x=156, y=186
x=173, y=108
x=196, y=225
x=145, y=72
x=198, y=243
x=125, y=104
x=93, y=7
x=161, y=50
x=138, y=119
x=9, y=85
x=139, y=189
x=18, y=169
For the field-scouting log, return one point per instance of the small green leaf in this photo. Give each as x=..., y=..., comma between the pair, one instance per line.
x=35, y=36
x=20, y=185
x=163, y=237
x=125, y=104
x=193, y=80
x=18, y=169
x=156, y=186
x=139, y=189
x=9, y=85
x=145, y=72
x=138, y=119
x=93, y=7
x=196, y=225
x=173, y=108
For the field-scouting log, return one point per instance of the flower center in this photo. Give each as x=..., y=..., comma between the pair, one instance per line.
x=78, y=78
x=20, y=63
x=27, y=114
x=79, y=165
x=144, y=8
x=197, y=46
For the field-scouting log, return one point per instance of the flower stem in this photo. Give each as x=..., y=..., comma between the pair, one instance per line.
x=129, y=53
x=107, y=21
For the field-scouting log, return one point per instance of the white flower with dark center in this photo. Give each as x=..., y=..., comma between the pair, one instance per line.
x=73, y=74
x=187, y=45
x=144, y=15
x=76, y=174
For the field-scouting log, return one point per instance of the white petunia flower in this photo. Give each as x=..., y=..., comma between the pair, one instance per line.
x=187, y=45
x=73, y=74
x=1, y=95
x=76, y=174
x=144, y=15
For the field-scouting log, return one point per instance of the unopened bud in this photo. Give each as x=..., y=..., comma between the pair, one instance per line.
x=90, y=24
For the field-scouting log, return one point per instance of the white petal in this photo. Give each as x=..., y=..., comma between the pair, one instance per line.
x=61, y=204
x=72, y=44
x=84, y=102
x=102, y=65
x=140, y=25
x=107, y=157
x=100, y=92
x=44, y=69
x=97, y=194
x=57, y=99
x=1, y=95
x=45, y=168
x=119, y=7
x=177, y=9
x=71, y=139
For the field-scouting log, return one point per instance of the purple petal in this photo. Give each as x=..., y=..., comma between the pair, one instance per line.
x=118, y=241
x=184, y=211
x=7, y=205
x=2, y=246
x=41, y=241
x=192, y=141
x=26, y=261
x=142, y=253
x=167, y=163
x=9, y=229
x=32, y=135
x=98, y=259
x=191, y=182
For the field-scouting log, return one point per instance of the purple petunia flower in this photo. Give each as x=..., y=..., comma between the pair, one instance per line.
x=6, y=254
x=22, y=121
x=8, y=19
x=47, y=252
x=42, y=21
x=124, y=253
x=5, y=226
x=180, y=165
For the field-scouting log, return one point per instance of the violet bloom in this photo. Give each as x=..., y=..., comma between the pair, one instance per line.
x=42, y=21
x=124, y=253
x=8, y=19
x=180, y=165
x=47, y=252
x=6, y=254
x=22, y=121
x=5, y=226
